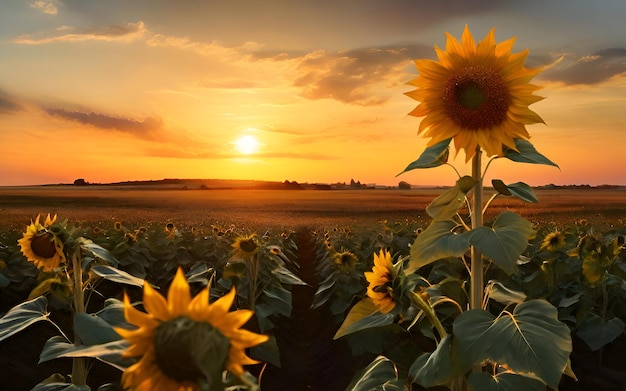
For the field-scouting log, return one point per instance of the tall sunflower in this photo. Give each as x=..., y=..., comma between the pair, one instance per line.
x=245, y=246
x=185, y=343
x=476, y=94
x=42, y=245
x=380, y=279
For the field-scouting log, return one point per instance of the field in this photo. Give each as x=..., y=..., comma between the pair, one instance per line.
x=285, y=209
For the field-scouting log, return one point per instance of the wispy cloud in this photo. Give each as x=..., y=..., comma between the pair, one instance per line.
x=589, y=69
x=148, y=128
x=351, y=76
x=127, y=32
x=47, y=7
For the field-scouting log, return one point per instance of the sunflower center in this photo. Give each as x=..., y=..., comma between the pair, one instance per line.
x=187, y=350
x=42, y=244
x=476, y=98
x=248, y=245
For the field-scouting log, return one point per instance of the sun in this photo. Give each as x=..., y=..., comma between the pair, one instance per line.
x=247, y=145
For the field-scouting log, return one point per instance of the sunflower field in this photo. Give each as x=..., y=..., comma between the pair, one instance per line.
x=467, y=300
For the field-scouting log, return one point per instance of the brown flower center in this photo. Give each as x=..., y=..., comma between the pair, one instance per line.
x=476, y=98
x=187, y=350
x=42, y=244
x=248, y=245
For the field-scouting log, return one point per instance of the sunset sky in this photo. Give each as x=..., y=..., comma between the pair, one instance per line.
x=116, y=90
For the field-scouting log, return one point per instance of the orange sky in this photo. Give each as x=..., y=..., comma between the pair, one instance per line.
x=114, y=91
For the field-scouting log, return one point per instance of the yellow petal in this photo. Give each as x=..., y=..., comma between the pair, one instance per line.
x=178, y=295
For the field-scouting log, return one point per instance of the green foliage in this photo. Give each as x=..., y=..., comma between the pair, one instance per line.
x=526, y=153
x=433, y=156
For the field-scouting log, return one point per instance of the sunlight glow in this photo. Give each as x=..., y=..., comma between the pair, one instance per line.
x=247, y=145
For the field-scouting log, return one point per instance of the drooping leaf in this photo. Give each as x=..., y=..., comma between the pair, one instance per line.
x=435, y=368
x=438, y=241
x=363, y=315
x=596, y=333
x=529, y=340
x=500, y=293
x=505, y=381
x=110, y=353
x=446, y=205
x=285, y=276
x=433, y=156
x=505, y=241
x=375, y=376
x=23, y=315
x=58, y=386
x=526, y=153
x=98, y=251
x=116, y=275
x=518, y=189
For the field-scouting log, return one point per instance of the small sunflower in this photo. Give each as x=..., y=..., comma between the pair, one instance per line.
x=42, y=245
x=477, y=94
x=345, y=261
x=553, y=241
x=185, y=343
x=246, y=246
x=380, y=279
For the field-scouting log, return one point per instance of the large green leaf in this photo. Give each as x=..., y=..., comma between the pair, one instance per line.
x=438, y=241
x=505, y=241
x=376, y=377
x=530, y=340
x=23, y=315
x=447, y=204
x=433, y=156
x=596, y=332
x=363, y=315
x=92, y=330
x=287, y=277
x=116, y=275
x=505, y=381
x=435, y=368
x=526, y=153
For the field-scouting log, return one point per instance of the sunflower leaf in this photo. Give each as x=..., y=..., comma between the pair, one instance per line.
x=529, y=340
x=504, y=381
x=380, y=374
x=98, y=251
x=362, y=316
x=505, y=241
x=438, y=241
x=517, y=189
x=433, y=156
x=445, y=206
x=526, y=153
x=23, y=315
x=116, y=275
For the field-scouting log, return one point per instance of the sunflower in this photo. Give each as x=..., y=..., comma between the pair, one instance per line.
x=553, y=241
x=380, y=279
x=345, y=261
x=185, y=343
x=42, y=245
x=476, y=94
x=246, y=246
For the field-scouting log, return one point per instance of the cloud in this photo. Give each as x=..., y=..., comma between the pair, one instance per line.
x=47, y=7
x=589, y=69
x=351, y=76
x=149, y=128
x=7, y=103
x=126, y=33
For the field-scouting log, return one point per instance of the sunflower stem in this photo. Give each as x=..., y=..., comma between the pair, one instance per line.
x=79, y=367
x=476, y=272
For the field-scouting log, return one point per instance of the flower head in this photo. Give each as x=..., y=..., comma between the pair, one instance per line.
x=380, y=279
x=185, y=343
x=345, y=261
x=476, y=94
x=246, y=246
x=42, y=244
x=553, y=241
